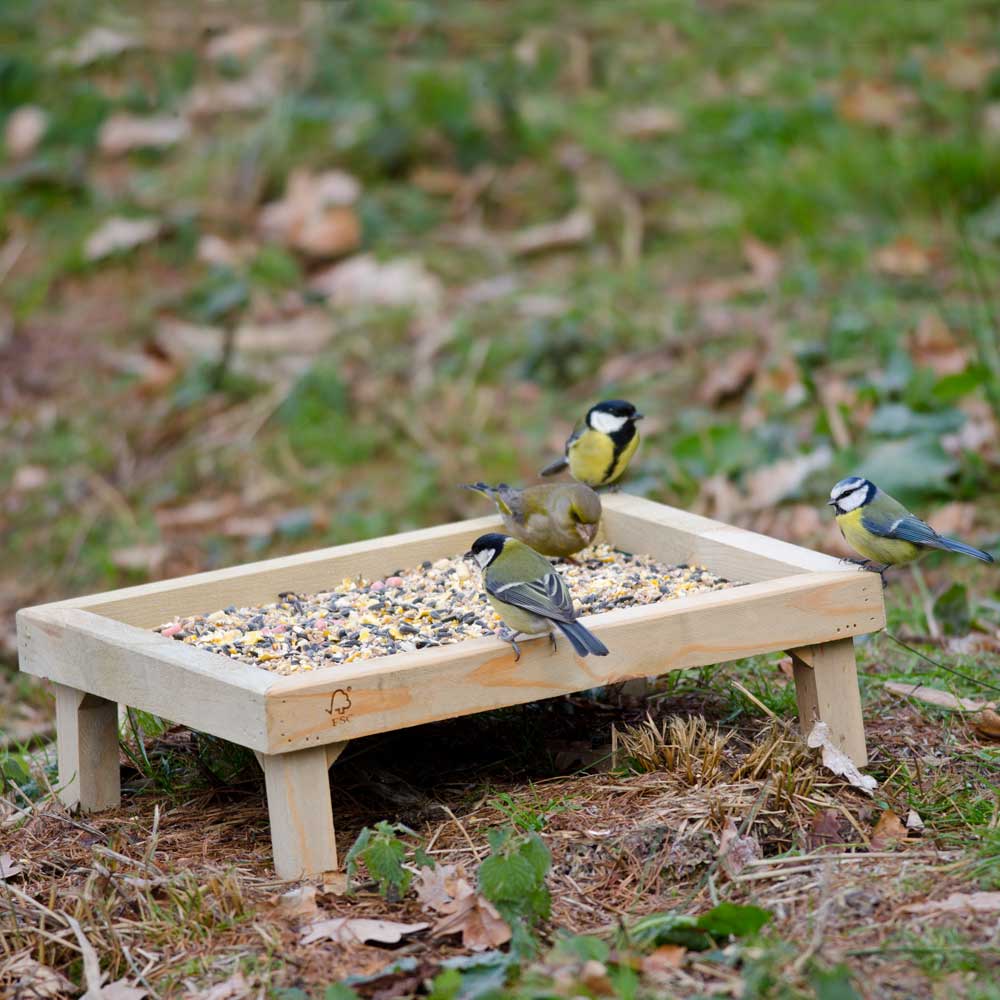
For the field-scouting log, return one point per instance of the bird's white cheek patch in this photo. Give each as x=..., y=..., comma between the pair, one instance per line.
x=851, y=500
x=484, y=557
x=607, y=423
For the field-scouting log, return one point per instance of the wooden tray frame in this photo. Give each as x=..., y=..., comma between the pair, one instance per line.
x=100, y=653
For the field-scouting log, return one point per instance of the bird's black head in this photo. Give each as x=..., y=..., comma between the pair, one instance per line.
x=486, y=548
x=612, y=415
x=851, y=493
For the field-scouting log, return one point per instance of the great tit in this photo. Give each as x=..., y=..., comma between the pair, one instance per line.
x=555, y=519
x=882, y=530
x=528, y=594
x=599, y=450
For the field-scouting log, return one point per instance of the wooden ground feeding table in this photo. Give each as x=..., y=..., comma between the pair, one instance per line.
x=101, y=653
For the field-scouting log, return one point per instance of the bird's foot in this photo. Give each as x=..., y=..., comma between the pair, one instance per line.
x=509, y=635
x=553, y=643
x=881, y=573
x=860, y=563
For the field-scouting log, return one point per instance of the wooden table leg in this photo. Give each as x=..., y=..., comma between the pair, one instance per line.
x=300, y=810
x=87, y=750
x=826, y=687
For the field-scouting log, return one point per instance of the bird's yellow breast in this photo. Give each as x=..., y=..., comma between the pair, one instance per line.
x=594, y=460
x=891, y=551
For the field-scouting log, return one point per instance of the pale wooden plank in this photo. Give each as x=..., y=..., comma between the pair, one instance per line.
x=207, y=691
x=677, y=536
x=826, y=688
x=152, y=604
x=300, y=811
x=87, y=750
x=480, y=674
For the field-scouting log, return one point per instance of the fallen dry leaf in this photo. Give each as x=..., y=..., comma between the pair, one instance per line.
x=934, y=346
x=34, y=981
x=872, y=102
x=118, y=234
x=914, y=822
x=934, y=696
x=477, y=920
x=835, y=760
x=24, y=131
x=991, y=119
x=903, y=258
x=8, y=868
x=97, y=44
x=437, y=888
x=213, y=249
x=316, y=215
x=764, y=261
x=359, y=930
x=29, y=477
x=236, y=987
x=197, y=513
x=955, y=518
x=300, y=902
x=729, y=377
x=736, y=852
x=222, y=97
x=143, y=558
x=594, y=976
x=366, y=281
x=124, y=133
x=889, y=830
x=569, y=231
x=964, y=67
x=122, y=989
x=664, y=959
x=828, y=826
x=648, y=122
x=773, y=483
x=239, y=43
x=987, y=723
x=958, y=902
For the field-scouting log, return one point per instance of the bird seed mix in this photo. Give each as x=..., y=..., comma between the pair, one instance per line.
x=434, y=604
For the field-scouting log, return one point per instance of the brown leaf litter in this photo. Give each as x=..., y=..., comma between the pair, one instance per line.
x=623, y=845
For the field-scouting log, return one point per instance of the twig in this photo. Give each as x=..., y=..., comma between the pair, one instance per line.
x=91, y=963
x=465, y=833
x=942, y=666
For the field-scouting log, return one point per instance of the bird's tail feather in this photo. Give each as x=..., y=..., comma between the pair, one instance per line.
x=583, y=641
x=553, y=467
x=483, y=488
x=953, y=545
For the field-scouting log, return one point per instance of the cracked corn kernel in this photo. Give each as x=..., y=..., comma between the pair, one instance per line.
x=434, y=604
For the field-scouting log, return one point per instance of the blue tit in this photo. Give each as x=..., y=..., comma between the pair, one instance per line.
x=882, y=530
x=528, y=594
x=555, y=519
x=599, y=450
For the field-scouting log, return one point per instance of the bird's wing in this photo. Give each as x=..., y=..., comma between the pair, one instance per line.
x=907, y=528
x=513, y=500
x=548, y=596
x=563, y=461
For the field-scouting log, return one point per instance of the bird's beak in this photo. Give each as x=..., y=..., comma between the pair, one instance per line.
x=586, y=532
x=639, y=416
x=469, y=555
x=831, y=503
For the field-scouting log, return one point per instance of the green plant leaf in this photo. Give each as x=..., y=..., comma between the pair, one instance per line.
x=952, y=610
x=338, y=991
x=833, y=984
x=730, y=919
